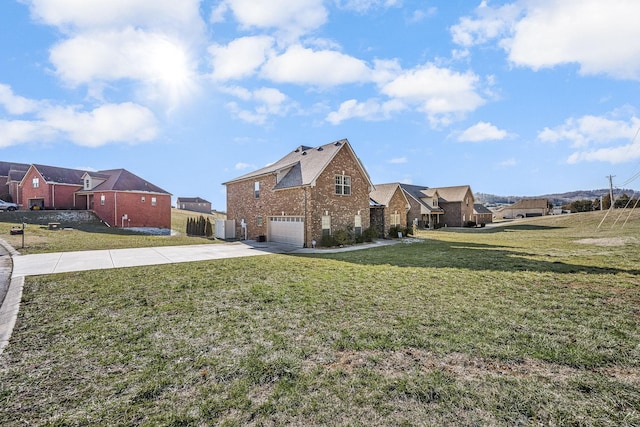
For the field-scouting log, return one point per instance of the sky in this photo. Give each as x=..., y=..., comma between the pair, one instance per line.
x=514, y=98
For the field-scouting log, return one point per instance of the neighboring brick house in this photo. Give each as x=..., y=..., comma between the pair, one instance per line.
x=123, y=199
x=457, y=204
x=308, y=193
x=118, y=197
x=424, y=210
x=10, y=176
x=482, y=214
x=525, y=208
x=50, y=187
x=394, y=204
x=196, y=204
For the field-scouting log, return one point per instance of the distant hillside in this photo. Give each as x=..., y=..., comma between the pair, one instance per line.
x=558, y=199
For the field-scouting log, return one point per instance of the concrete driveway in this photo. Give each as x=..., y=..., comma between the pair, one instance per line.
x=62, y=262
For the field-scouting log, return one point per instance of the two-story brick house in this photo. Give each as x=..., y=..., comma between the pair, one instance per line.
x=195, y=204
x=308, y=193
x=118, y=197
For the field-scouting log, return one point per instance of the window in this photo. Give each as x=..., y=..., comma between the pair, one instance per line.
x=357, y=225
x=259, y=221
x=143, y=199
x=326, y=225
x=343, y=185
x=395, y=219
x=256, y=189
x=154, y=201
x=434, y=203
x=35, y=182
x=102, y=199
x=87, y=184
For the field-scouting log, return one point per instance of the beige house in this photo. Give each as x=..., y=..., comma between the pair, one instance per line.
x=524, y=208
x=308, y=193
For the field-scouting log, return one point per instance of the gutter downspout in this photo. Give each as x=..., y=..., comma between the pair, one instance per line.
x=53, y=196
x=115, y=209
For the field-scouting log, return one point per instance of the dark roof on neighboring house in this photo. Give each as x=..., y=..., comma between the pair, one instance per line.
x=302, y=166
x=17, y=172
x=58, y=175
x=417, y=192
x=6, y=167
x=123, y=180
x=479, y=208
x=192, y=200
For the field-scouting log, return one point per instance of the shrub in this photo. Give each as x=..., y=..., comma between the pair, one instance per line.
x=469, y=224
x=369, y=234
x=408, y=231
x=343, y=237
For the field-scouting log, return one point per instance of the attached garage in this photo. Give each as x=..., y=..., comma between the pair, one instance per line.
x=287, y=229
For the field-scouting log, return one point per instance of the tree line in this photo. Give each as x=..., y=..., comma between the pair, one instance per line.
x=587, y=205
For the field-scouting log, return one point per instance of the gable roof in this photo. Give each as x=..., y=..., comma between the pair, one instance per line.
x=7, y=167
x=58, y=175
x=383, y=193
x=303, y=165
x=453, y=194
x=418, y=192
x=123, y=180
x=192, y=200
x=479, y=208
x=529, y=204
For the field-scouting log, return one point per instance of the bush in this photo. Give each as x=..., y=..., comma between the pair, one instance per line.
x=369, y=234
x=343, y=237
x=408, y=231
x=469, y=224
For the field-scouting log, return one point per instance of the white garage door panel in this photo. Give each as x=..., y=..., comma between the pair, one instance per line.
x=287, y=230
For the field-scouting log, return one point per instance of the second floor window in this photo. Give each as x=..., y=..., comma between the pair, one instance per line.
x=343, y=185
x=36, y=182
x=256, y=189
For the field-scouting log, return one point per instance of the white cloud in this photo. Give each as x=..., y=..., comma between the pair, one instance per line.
x=615, y=136
x=302, y=66
x=154, y=59
x=362, y=6
x=508, y=163
x=370, y=110
x=398, y=160
x=75, y=15
x=15, y=104
x=439, y=92
x=240, y=58
x=290, y=17
x=482, y=131
x=268, y=102
x=598, y=36
x=14, y=132
x=109, y=123
x=242, y=166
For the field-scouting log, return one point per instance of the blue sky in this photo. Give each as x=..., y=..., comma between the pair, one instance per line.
x=511, y=97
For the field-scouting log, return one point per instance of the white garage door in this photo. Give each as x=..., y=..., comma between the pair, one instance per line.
x=287, y=229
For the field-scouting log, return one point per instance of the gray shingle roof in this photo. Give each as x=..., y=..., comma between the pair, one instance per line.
x=123, y=180
x=6, y=167
x=418, y=192
x=192, y=200
x=301, y=166
x=58, y=175
x=453, y=194
x=479, y=208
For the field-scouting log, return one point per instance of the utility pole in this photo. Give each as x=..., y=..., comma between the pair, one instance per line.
x=611, y=190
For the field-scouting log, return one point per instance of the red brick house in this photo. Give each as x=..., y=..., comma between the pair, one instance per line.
x=117, y=197
x=11, y=175
x=394, y=204
x=308, y=193
x=122, y=199
x=49, y=187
